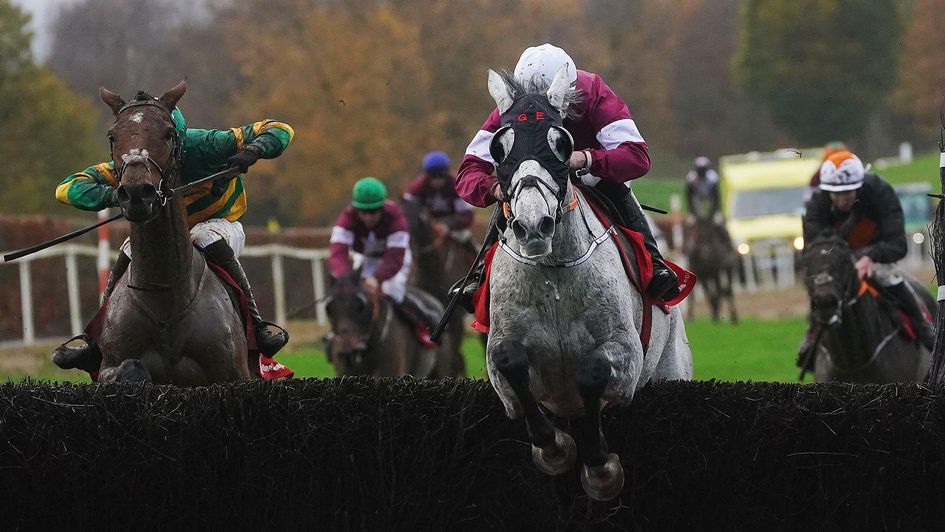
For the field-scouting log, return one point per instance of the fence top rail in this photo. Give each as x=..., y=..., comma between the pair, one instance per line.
x=266, y=250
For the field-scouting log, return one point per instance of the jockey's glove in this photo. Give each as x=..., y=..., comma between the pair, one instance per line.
x=243, y=159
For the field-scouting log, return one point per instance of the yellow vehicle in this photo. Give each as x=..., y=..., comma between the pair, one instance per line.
x=763, y=198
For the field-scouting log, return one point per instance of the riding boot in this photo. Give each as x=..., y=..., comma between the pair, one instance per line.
x=118, y=270
x=88, y=357
x=268, y=342
x=906, y=300
x=664, y=285
x=420, y=318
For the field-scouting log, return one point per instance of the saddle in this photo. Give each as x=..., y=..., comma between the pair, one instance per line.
x=637, y=264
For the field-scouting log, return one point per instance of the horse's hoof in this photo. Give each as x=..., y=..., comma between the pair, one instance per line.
x=558, y=460
x=603, y=482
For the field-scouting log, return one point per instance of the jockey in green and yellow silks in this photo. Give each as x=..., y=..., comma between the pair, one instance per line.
x=206, y=151
x=213, y=210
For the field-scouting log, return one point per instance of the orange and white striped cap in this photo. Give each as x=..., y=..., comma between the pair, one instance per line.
x=841, y=171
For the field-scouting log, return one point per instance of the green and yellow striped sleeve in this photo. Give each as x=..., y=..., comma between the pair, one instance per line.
x=270, y=136
x=92, y=189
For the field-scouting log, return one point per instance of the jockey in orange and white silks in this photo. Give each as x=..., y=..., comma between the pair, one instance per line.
x=608, y=151
x=866, y=209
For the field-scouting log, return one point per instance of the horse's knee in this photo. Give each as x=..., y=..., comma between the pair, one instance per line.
x=511, y=359
x=593, y=376
x=132, y=370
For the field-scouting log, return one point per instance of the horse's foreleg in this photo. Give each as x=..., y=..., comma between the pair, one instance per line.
x=553, y=451
x=602, y=476
x=730, y=294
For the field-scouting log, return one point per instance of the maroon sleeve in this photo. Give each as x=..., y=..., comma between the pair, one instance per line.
x=475, y=178
x=342, y=237
x=417, y=186
x=338, y=262
x=393, y=258
x=628, y=160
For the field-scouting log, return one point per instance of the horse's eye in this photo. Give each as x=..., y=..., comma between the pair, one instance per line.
x=501, y=144
x=560, y=141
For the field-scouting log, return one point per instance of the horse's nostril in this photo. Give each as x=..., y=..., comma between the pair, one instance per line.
x=547, y=226
x=519, y=230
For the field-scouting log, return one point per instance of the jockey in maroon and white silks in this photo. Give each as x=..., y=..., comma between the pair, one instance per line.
x=382, y=251
x=443, y=204
x=603, y=129
x=608, y=152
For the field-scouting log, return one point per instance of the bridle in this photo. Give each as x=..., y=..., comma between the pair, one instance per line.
x=141, y=155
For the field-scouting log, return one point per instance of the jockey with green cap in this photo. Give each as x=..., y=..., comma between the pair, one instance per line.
x=213, y=211
x=375, y=229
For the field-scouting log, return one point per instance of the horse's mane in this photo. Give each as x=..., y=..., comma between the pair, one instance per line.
x=539, y=86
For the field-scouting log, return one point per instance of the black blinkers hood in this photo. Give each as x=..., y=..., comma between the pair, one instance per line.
x=531, y=117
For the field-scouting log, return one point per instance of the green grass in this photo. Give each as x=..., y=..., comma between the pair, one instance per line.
x=755, y=349
x=922, y=169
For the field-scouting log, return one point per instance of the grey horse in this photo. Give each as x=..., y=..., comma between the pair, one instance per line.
x=565, y=320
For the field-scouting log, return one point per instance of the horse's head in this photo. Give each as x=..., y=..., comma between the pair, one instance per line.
x=828, y=260
x=146, y=148
x=350, y=312
x=531, y=151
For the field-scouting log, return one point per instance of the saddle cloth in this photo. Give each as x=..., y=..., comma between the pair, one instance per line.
x=259, y=364
x=635, y=258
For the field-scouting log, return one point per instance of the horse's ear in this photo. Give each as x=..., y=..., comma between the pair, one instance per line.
x=559, y=87
x=114, y=101
x=499, y=91
x=171, y=97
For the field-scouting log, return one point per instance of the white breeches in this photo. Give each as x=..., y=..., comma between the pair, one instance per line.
x=208, y=232
x=395, y=287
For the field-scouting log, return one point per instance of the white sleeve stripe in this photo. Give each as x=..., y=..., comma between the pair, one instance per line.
x=479, y=147
x=460, y=205
x=399, y=239
x=616, y=133
x=340, y=235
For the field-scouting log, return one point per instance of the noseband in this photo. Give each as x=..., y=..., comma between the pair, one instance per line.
x=141, y=155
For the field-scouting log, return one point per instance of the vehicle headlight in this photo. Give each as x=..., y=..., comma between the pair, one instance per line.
x=799, y=243
x=743, y=249
x=918, y=238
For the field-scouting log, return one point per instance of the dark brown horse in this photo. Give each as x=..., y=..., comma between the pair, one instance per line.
x=439, y=262
x=368, y=337
x=713, y=260
x=861, y=341
x=170, y=319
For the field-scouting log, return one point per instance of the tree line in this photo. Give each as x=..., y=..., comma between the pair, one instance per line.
x=371, y=85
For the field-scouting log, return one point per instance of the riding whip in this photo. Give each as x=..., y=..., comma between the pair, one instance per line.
x=445, y=318
x=229, y=173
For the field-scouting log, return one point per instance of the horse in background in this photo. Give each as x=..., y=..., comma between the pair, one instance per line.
x=437, y=262
x=170, y=319
x=565, y=321
x=367, y=337
x=714, y=262
x=861, y=340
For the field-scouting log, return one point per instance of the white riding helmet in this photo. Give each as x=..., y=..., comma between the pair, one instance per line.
x=841, y=171
x=544, y=61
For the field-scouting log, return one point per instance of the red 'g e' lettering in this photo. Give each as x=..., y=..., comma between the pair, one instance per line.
x=522, y=117
x=540, y=115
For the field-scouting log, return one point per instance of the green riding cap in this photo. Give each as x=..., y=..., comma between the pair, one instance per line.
x=368, y=193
